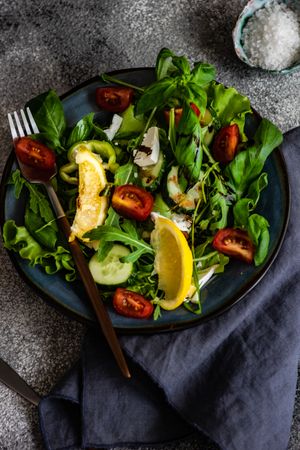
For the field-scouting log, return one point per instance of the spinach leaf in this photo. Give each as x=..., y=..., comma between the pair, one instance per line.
x=48, y=113
x=202, y=74
x=248, y=164
x=182, y=65
x=156, y=95
x=259, y=233
x=82, y=130
x=256, y=225
x=195, y=94
x=164, y=66
x=256, y=187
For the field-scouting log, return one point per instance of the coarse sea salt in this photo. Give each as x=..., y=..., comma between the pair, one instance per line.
x=271, y=37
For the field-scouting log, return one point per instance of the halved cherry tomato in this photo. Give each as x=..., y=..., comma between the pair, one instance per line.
x=114, y=99
x=178, y=114
x=34, y=154
x=132, y=304
x=226, y=143
x=132, y=202
x=234, y=242
x=195, y=109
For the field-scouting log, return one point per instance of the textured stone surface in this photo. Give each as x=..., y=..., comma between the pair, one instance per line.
x=59, y=44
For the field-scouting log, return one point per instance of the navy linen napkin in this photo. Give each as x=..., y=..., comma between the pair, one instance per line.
x=232, y=378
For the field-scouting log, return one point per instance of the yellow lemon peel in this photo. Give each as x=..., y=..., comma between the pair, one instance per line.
x=91, y=208
x=173, y=262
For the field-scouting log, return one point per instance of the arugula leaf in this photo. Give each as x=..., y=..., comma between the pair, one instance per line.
x=112, y=218
x=219, y=205
x=103, y=250
x=48, y=113
x=45, y=233
x=38, y=202
x=142, y=279
x=248, y=164
x=188, y=151
x=107, y=233
x=125, y=174
x=18, y=181
x=82, y=130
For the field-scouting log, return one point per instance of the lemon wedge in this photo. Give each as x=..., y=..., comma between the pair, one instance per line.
x=91, y=208
x=173, y=262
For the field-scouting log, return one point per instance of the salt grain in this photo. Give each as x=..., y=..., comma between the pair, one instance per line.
x=272, y=37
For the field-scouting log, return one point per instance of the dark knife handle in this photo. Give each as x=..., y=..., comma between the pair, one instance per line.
x=11, y=379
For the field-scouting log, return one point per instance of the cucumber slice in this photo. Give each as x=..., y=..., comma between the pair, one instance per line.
x=184, y=200
x=111, y=271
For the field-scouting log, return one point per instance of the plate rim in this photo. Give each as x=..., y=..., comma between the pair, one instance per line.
x=68, y=312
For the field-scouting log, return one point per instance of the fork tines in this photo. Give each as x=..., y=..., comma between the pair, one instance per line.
x=23, y=127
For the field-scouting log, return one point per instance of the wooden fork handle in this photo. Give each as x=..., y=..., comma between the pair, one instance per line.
x=90, y=285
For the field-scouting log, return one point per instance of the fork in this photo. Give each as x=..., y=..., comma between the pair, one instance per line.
x=26, y=126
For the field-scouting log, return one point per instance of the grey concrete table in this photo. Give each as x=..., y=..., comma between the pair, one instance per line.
x=58, y=44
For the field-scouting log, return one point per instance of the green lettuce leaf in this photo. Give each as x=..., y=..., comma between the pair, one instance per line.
x=19, y=240
x=229, y=106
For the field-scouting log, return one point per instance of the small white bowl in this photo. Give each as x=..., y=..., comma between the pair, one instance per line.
x=237, y=34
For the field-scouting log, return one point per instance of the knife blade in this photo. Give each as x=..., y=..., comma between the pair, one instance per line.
x=11, y=379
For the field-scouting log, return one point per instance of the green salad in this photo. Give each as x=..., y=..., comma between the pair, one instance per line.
x=171, y=168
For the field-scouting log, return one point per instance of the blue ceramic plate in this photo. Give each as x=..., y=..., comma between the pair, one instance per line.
x=221, y=292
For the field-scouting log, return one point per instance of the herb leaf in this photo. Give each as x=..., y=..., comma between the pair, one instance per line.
x=156, y=95
x=164, y=66
x=82, y=130
x=107, y=233
x=248, y=164
x=49, y=115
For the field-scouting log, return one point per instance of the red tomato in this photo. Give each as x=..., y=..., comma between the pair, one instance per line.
x=132, y=202
x=234, y=242
x=131, y=304
x=178, y=114
x=34, y=154
x=114, y=99
x=195, y=109
x=226, y=143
